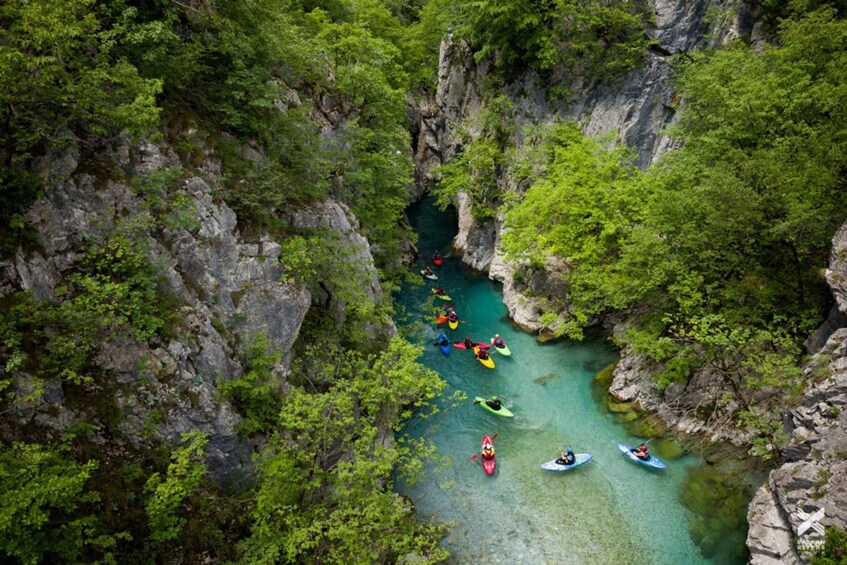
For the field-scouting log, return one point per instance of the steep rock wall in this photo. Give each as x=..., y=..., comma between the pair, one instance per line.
x=227, y=289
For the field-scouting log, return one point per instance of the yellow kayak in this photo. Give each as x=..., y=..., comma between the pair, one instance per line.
x=487, y=362
x=453, y=324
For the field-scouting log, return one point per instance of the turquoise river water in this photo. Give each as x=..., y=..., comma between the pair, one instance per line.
x=609, y=510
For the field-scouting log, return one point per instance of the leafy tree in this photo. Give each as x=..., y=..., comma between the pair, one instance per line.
x=581, y=209
x=480, y=163
x=254, y=394
x=45, y=504
x=167, y=495
x=587, y=38
x=61, y=78
x=325, y=491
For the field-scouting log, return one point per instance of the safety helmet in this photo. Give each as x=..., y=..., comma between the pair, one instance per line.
x=570, y=449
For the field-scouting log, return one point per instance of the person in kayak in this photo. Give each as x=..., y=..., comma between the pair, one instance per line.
x=442, y=341
x=567, y=457
x=487, y=452
x=452, y=316
x=449, y=307
x=468, y=343
x=439, y=291
x=494, y=403
x=498, y=341
x=436, y=255
x=483, y=354
x=427, y=270
x=642, y=452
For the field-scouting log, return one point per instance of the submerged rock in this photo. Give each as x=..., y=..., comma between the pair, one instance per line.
x=544, y=379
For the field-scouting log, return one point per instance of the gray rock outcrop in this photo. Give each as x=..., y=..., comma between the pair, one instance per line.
x=226, y=290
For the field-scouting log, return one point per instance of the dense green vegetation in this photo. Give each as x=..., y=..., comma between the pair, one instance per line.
x=323, y=495
x=319, y=91
x=588, y=39
x=720, y=246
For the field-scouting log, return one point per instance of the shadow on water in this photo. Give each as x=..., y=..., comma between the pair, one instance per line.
x=605, y=511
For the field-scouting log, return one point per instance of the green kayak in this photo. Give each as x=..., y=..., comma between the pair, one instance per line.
x=503, y=411
x=502, y=350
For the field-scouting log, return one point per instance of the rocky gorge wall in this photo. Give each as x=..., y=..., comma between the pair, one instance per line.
x=633, y=110
x=228, y=290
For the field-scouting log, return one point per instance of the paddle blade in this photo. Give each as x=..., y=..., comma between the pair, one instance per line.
x=493, y=437
x=474, y=456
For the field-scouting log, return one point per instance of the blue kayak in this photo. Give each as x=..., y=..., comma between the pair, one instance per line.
x=651, y=462
x=580, y=459
x=444, y=344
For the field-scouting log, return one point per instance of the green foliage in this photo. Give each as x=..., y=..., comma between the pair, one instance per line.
x=169, y=208
x=167, y=495
x=254, y=394
x=44, y=505
x=325, y=492
x=59, y=72
x=477, y=169
x=60, y=77
x=592, y=39
x=581, y=209
x=114, y=293
x=834, y=550
x=719, y=246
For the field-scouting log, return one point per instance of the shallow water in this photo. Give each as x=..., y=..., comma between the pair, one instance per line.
x=605, y=511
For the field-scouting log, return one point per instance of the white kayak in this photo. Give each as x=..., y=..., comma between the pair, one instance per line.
x=580, y=459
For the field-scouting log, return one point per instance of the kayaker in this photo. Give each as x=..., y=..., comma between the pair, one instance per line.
x=442, y=341
x=487, y=452
x=498, y=341
x=439, y=291
x=449, y=307
x=468, y=343
x=642, y=452
x=494, y=403
x=567, y=457
x=436, y=255
x=427, y=270
x=452, y=316
x=483, y=353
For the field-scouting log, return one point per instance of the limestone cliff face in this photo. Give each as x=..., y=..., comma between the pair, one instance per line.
x=813, y=474
x=227, y=289
x=633, y=109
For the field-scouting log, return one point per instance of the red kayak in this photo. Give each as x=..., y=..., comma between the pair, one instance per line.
x=461, y=345
x=489, y=464
x=437, y=261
